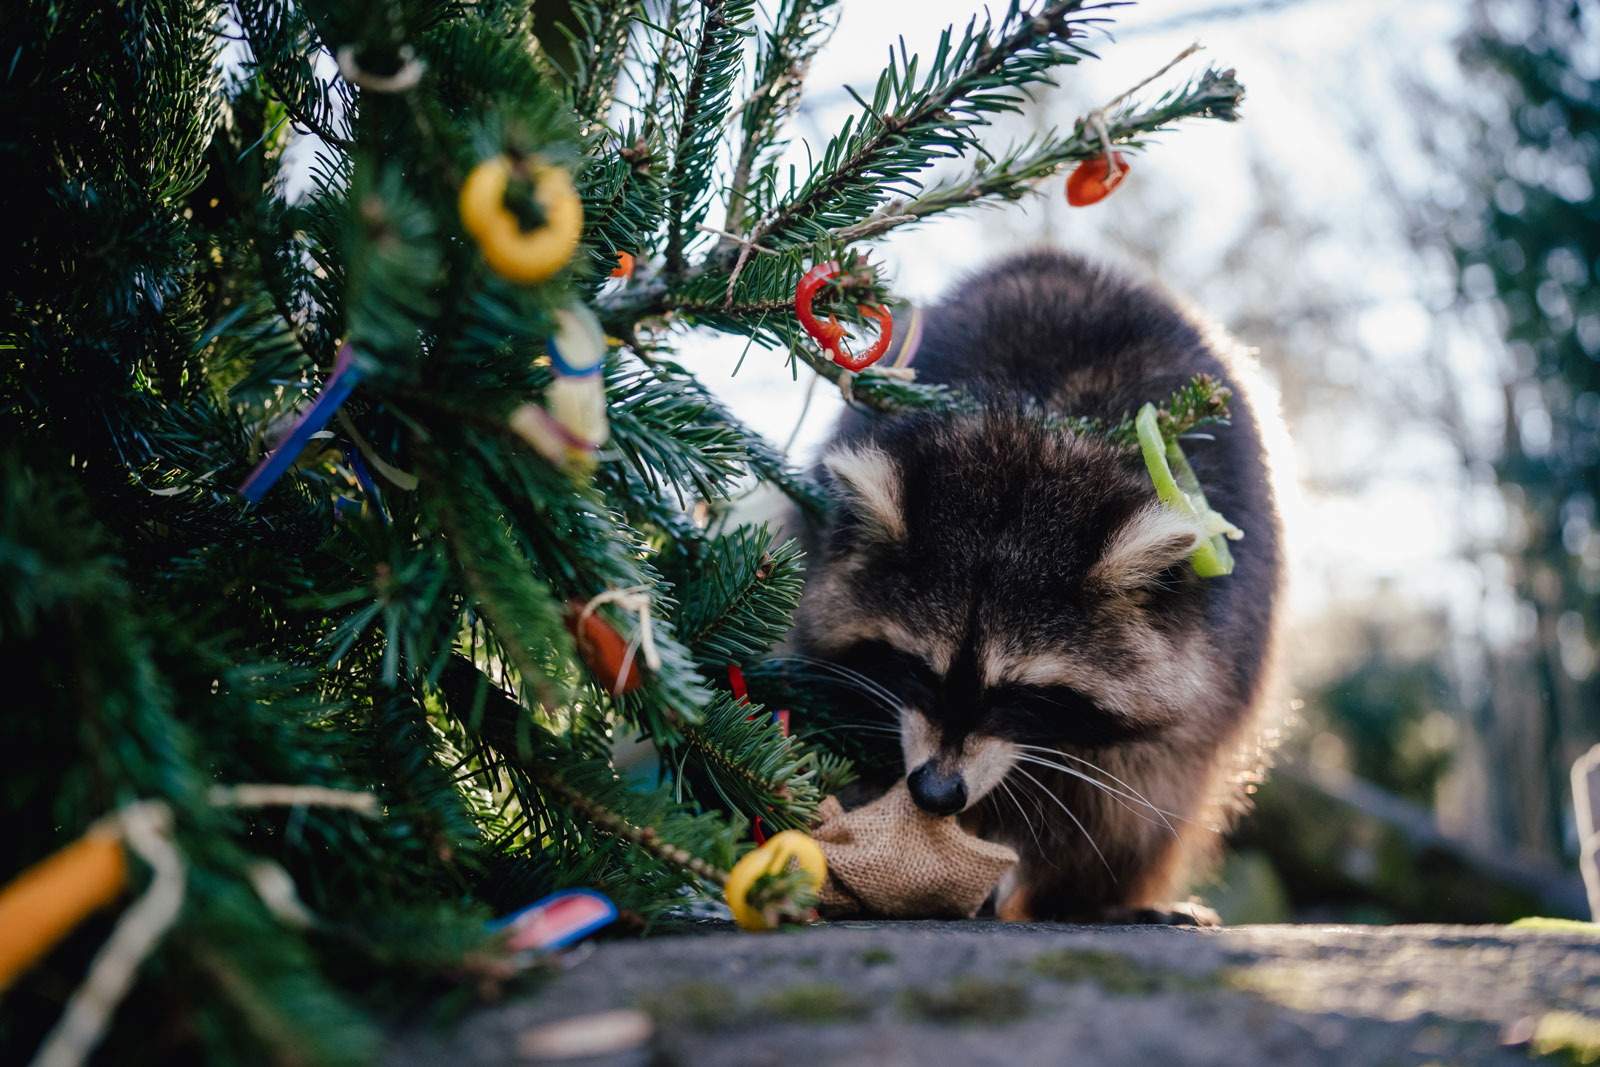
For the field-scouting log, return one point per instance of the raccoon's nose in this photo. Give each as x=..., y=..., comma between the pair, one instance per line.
x=937, y=792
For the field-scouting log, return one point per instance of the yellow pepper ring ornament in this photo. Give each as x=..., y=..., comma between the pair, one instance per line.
x=521, y=256
x=772, y=858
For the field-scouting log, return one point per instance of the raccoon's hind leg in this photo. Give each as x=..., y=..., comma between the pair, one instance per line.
x=1141, y=891
x=1181, y=913
x=1017, y=907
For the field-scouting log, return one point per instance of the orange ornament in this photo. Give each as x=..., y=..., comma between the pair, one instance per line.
x=47, y=900
x=1092, y=181
x=624, y=267
x=604, y=651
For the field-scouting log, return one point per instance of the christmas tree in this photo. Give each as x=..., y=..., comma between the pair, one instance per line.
x=347, y=534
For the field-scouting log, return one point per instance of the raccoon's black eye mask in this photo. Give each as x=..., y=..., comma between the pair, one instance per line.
x=1024, y=714
x=1055, y=715
x=903, y=674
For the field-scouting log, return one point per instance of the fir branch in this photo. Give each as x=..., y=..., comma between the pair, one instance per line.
x=765, y=461
x=517, y=606
x=671, y=434
x=741, y=599
x=771, y=322
x=801, y=28
x=706, y=99
x=1018, y=172
x=661, y=80
x=1203, y=400
x=642, y=837
x=624, y=202
x=738, y=754
x=283, y=44
x=907, y=126
x=598, y=50
x=586, y=785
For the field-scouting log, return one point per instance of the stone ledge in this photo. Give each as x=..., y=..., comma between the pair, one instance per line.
x=878, y=994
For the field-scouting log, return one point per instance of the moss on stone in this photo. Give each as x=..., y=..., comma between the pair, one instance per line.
x=1557, y=926
x=696, y=1005
x=1568, y=1037
x=967, y=1000
x=817, y=1003
x=872, y=957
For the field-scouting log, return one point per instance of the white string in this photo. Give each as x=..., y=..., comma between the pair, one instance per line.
x=1096, y=119
x=805, y=409
x=637, y=600
x=743, y=242
x=146, y=828
x=409, y=74
x=292, y=796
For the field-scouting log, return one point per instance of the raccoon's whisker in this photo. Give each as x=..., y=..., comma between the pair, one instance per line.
x=1130, y=794
x=1025, y=820
x=862, y=681
x=852, y=679
x=1075, y=820
x=1115, y=794
x=1096, y=767
x=840, y=728
x=854, y=727
x=1092, y=766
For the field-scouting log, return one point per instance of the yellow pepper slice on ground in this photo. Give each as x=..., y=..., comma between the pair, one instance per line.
x=772, y=858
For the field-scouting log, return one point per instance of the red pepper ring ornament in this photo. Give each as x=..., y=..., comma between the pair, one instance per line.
x=830, y=334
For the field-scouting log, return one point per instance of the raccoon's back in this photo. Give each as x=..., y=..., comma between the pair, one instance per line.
x=1065, y=333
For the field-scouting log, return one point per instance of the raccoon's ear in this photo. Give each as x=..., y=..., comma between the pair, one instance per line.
x=870, y=482
x=1151, y=541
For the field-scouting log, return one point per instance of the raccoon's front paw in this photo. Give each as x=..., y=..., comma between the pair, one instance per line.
x=1182, y=913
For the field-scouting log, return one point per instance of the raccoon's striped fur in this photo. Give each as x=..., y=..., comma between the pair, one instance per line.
x=1026, y=598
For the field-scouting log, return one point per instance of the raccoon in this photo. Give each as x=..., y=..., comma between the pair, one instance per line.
x=1064, y=681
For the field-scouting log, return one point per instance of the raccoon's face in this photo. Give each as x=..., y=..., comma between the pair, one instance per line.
x=1011, y=586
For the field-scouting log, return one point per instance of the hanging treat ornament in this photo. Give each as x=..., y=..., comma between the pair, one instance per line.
x=556, y=921
x=571, y=425
x=612, y=659
x=830, y=334
x=346, y=375
x=531, y=238
x=624, y=267
x=1094, y=179
x=47, y=900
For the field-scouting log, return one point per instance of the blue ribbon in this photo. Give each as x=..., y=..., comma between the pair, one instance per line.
x=344, y=378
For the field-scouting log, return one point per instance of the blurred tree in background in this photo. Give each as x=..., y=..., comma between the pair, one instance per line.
x=1488, y=727
x=1531, y=247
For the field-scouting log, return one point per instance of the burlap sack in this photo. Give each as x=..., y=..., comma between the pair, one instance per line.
x=894, y=860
